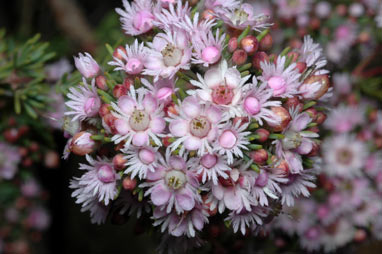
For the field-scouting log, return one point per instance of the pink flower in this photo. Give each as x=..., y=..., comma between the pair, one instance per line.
x=137, y=18
x=232, y=140
x=207, y=48
x=86, y=65
x=195, y=127
x=133, y=61
x=243, y=16
x=100, y=182
x=284, y=81
x=172, y=17
x=9, y=159
x=344, y=118
x=312, y=54
x=169, y=53
x=246, y=219
x=210, y=167
x=233, y=193
x=173, y=185
x=256, y=103
x=141, y=160
x=30, y=188
x=223, y=87
x=84, y=102
x=184, y=224
x=296, y=186
x=139, y=117
x=38, y=219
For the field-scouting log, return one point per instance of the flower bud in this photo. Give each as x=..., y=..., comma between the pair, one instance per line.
x=266, y=43
x=211, y=54
x=101, y=82
x=227, y=139
x=341, y=9
x=284, y=167
x=86, y=65
x=11, y=135
x=315, y=23
x=129, y=184
x=293, y=102
x=82, y=143
x=249, y=44
x=284, y=117
x=312, y=112
x=119, y=162
x=209, y=160
x=232, y=44
x=259, y=156
x=119, y=90
x=258, y=58
x=315, y=86
x=208, y=15
x=34, y=147
x=360, y=235
x=263, y=134
x=117, y=53
x=104, y=110
x=239, y=57
x=320, y=118
x=51, y=160
x=109, y=120
x=24, y=129
x=301, y=66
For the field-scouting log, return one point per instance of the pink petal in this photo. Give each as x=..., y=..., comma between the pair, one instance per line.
x=301, y=121
x=182, y=39
x=214, y=114
x=177, y=162
x=213, y=77
x=294, y=162
x=178, y=128
x=191, y=106
x=204, y=95
x=232, y=200
x=160, y=195
x=150, y=103
x=185, y=199
x=126, y=104
x=232, y=77
x=121, y=126
x=192, y=143
x=218, y=191
x=158, y=125
x=156, y=175
x=159, y=43
x=140, y=139
x=212, y=134
x=197, y=220
x=305, y=147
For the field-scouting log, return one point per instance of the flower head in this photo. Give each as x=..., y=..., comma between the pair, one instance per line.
x=210, y=166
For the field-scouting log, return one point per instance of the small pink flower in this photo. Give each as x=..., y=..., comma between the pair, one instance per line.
x=84, y=102
x=133, y=61
x=246, y=219
x=173, y=185
x=223, y=87
x=86, y=65
x=283, y=81
x=207, y=48
x=139, y=118
x=210, y=167
x=195, y=127
x=138, y=17
x=173, y=16
x=169, y=53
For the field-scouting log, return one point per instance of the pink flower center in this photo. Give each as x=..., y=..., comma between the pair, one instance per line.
x=262, y=180
x=146, y=156
x=252, y=105
x=134, y=66
x=175, y=179
x=172, y=56
x=228, y=139
x=139, y=120
x=209, y=160
x=200, y=126
x=211, y=54
x=92, y=106
x=278, y=85
x=106, y=174
x=222, y=95
x=143, y=21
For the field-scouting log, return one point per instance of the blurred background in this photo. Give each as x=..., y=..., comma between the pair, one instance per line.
x=72, y=26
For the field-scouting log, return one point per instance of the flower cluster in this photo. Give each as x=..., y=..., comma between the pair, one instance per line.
x=195, y=118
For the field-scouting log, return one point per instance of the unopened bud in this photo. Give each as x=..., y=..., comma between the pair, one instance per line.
x=117, y=53
x=320, y=118
x=258, y=58
x=239, y=57
x=119, y=90
x=119, y=162
x=263, y=134
x=11, y=135
x=232, y=44
x=259, y=156
x=266, y=43
x=82, y=143
x=249, y=44
x=301, y=67
x=294, y=103
x=51, y=160
x=129, y=184
x=104, y=110
x=310, y=92
x=284, y=117
x=101, y=82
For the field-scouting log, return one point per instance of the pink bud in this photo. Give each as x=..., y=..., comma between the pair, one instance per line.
x=252, y=105
x=232, y=44
x=104, y=110
x=119, y=162
x=163, y=93
x=228, y=139
x=211, y=54
x=51, y=160
x=278, y=85
x=143, y=21
x=82, y=143
x=258, y=58
x=86, y=65
x=106, y=174
x=262, y=180
x=263, y=133
x=146, y=156
x=259, y=156
x=209, y=160
x=249, y=44
x=119, y=91
x=239, y=57
x=128, y=183
x=101, y=82
x=266, y=43
x=92, y=106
